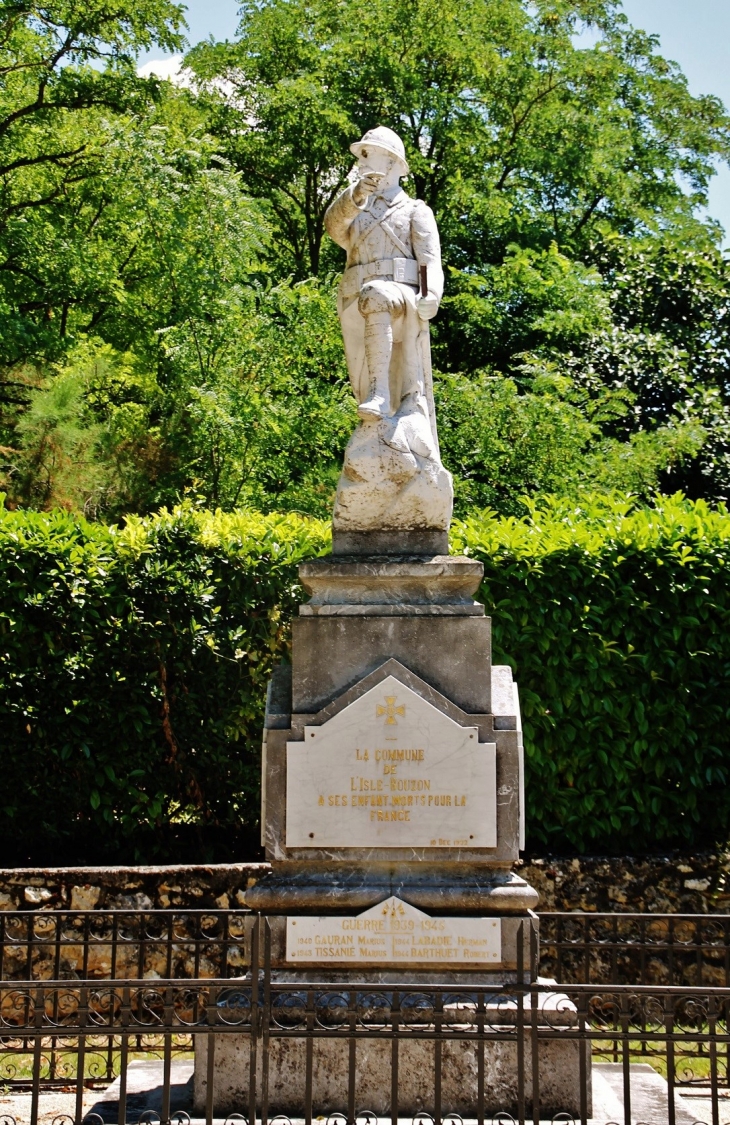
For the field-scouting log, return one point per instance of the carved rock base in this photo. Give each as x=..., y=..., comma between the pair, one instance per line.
x=384, y=485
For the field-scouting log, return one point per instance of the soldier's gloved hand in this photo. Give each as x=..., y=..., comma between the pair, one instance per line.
x=427, y=307
x=365, y=186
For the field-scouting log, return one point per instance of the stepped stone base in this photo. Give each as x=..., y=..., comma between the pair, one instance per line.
x=398, y=544
x=423, y=885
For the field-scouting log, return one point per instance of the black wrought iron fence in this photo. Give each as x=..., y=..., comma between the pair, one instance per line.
x=115, y=944
x=576, y=948
x=251, y=1045
x=636, y=948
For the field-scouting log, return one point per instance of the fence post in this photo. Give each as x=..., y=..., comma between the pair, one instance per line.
x=266, y=1025
x=534, y=1038
x=626, y=1063
x=394, y=1058
x=81, y=1055
x=669, y=1025
x=584, y=1048
x=124, y=1055
x=38, y=1013
x=253, y=1041
x=211, y=1019
x=520, y=1022
x=310, y=1064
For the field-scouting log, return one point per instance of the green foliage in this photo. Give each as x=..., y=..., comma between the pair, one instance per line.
x=66, y=67
x=502, y=445
x=195, y=372
x=639, y=466
x=134, y=662
x=57, y=448
x=133, y=677
x=161, y=334
x=533, y=300
x=636, y=345
x=223, y=417
x=668, y=349
x=505, y=444
x=616, y=621
x=513, y=133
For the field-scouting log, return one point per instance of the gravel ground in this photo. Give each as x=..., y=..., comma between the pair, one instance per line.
x=52, y=1105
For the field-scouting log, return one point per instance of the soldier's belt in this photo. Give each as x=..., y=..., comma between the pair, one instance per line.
x=404, y=270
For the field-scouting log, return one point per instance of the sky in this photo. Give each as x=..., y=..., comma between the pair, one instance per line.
x=693, y=33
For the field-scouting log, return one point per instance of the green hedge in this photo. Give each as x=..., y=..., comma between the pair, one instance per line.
x=133, y=666
x=617, y=623
x=133, y=671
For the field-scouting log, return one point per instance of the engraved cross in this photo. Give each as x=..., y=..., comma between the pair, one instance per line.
x=390, y=711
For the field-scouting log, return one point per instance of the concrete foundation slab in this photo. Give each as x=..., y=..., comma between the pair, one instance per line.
x=145, y=1088
x=649, y=1095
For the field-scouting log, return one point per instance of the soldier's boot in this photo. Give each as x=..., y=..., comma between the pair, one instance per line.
x=378, y=352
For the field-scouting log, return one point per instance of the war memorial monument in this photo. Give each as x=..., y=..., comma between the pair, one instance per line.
x=392, y=789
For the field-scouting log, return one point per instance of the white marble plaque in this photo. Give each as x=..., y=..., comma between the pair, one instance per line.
x=394, y=933
x=391, y=771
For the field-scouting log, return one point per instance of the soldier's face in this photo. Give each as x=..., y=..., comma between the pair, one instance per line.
x=374, y=160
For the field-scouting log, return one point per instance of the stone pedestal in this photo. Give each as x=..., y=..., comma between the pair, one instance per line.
x=392, y=816
x=430, y=828
x=392, y=696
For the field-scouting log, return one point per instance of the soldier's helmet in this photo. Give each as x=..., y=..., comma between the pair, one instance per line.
x=385, y=139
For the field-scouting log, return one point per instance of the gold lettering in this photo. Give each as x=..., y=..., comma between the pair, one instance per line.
x=388, y=755
x=366, y=784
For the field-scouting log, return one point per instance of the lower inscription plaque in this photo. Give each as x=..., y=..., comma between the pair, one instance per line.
x=393, y=932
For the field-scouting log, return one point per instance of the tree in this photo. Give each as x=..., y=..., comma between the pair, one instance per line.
x=161, y=328
x=66, y=68
x=287, y=135
x=665, y=353
x=512, y=133
x=146, y=351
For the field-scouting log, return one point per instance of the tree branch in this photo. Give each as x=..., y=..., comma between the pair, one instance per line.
x=588, y=214
x=25, y=110
x=43, y=158
x=43, y=200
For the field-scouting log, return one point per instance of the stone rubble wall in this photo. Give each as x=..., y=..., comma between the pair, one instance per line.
x=696, y=884
x=674, y=884
x=218, y=886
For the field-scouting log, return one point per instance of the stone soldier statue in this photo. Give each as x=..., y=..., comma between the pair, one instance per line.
x=392, y=285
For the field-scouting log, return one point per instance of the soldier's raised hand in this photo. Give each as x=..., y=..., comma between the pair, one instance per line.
x=365, y=186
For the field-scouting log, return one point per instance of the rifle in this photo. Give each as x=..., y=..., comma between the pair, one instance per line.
x=424, y=338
